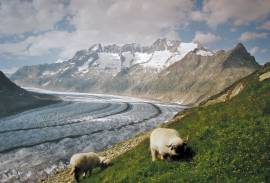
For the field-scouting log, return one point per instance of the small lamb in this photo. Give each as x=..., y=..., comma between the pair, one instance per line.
x=85, y=163
x=165, y=141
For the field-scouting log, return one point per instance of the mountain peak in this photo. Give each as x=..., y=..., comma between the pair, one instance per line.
x=239, y=57
x=160, y=44
x=160, y=40
x=5, y=83
x=95, y=47
x=165, y=44
x=1, y=74
x=240, y=47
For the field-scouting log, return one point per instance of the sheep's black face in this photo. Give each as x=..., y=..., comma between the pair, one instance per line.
x=183, y=152
x=177, y=150
x=103, y=165
x=181, y=149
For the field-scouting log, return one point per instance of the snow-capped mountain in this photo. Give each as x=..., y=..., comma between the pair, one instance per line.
x=109, y=60
x=159, y=55
x=115, y=58
x=131, y=69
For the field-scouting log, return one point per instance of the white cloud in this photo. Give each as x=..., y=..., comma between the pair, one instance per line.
x=238, y=11
x=205, y=38
x=254, y=50
x=20, y=16
x=105, y=21
x=116, y=21
x=257, y=49
x=67, y=43
x=128, y=20
x=246, y=36
x=265, y=26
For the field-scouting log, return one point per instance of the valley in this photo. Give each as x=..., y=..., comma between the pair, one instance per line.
x=88, y=86
x=40, y=141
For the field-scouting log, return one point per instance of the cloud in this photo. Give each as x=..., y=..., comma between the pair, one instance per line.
x=254, y=50
x=114, y=21
x=205, y=38
x=102, y=21
x=128, y=20
x=20, y=16
x=265, y=26
x=238, y=11
x=66, y=42
x=247, y=36
x=257, y=49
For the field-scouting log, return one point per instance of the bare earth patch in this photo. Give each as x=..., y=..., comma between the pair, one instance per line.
x=264, y=76
x=227, y=95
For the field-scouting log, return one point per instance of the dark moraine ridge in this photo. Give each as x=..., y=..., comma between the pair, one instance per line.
x=14, y=99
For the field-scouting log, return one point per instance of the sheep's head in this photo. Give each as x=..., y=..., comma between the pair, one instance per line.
x=177, y=146
x=104, y=163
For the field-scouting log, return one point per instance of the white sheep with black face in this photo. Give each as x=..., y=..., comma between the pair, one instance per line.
x=85, y=163
x=165, y=141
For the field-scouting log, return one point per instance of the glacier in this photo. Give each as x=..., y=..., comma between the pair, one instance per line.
x=38, y=142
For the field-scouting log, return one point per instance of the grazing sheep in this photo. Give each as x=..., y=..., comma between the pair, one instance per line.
x=165, y=141
x=85, y=162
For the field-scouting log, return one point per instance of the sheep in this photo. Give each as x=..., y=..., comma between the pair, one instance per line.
x=85, y=162
x=165, y=141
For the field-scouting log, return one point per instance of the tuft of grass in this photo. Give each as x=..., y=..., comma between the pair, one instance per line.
x=231, y=141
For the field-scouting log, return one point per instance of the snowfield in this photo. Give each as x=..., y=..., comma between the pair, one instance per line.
x=40, y=141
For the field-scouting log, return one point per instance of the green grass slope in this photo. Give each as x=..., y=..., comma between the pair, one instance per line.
x=231, y=141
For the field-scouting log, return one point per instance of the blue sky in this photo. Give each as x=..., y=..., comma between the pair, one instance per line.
x=42, y=31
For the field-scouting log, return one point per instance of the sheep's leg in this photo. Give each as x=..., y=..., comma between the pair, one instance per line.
x=162, y=156
x=77, y=174
x=154, y=154
x=89, y=172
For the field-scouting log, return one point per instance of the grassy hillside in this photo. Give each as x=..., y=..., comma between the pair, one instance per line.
x=231, y=141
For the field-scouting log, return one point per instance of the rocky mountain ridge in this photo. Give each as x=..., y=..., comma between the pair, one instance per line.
x=168, y=70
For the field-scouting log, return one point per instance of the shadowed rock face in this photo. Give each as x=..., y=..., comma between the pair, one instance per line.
x=15, y=99
x=6, y=84
x=239, y=57
x=188, y=80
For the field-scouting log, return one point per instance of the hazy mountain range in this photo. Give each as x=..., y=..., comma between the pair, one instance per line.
x=168, y=69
